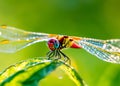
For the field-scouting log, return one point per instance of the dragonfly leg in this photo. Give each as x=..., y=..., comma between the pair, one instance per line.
x=50, y=54
x=54, y=53
x=66, y=58
x=58, y=54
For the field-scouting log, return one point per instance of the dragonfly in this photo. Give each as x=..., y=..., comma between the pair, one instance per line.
x=13, y=39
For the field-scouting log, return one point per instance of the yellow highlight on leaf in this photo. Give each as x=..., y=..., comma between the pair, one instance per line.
x=4, y=42
x=3, y=26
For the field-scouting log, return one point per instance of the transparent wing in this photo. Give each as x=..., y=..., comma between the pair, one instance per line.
x=13, y=39
x=107, y=50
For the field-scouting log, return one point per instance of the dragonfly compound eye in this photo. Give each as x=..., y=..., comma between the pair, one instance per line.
x=53, y=44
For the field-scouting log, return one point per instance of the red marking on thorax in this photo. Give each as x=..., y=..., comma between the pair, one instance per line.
x=75, y=45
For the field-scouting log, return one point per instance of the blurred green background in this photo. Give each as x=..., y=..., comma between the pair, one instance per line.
x=85, y=18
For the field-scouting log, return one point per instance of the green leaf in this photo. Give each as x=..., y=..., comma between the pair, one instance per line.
x=30, y=72
x=72, y=73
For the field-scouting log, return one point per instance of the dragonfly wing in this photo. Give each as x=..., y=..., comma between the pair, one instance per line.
x=13, y=39
x=103, y=49
x=114, y=42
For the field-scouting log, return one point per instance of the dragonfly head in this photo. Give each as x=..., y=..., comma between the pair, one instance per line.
x=53, y=44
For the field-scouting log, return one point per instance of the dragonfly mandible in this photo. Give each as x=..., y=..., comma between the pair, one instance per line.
x=13, y=40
